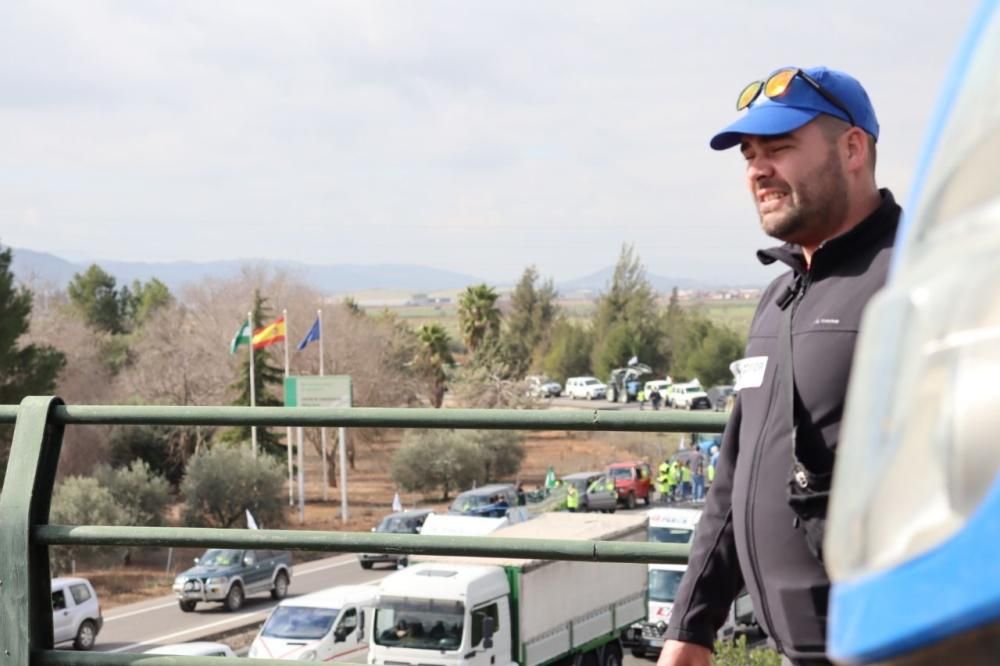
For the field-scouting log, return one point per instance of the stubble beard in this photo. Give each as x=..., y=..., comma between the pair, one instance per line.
x=816, y=206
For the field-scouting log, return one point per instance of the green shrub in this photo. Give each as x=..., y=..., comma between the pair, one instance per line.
x=736, y=653
x=81, y=500
x=437, y=459
x=223, y=482
x=141, y=493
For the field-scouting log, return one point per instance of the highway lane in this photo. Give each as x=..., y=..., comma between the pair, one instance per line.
x=141, y=626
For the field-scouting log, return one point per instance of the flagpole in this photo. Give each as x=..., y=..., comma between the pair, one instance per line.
x=288, y=432
x=322, y=431
x=253, y=388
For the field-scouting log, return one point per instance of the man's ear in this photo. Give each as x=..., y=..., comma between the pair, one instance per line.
x=855, y=147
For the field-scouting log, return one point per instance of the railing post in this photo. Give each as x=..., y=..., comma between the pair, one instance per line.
x=25, y=585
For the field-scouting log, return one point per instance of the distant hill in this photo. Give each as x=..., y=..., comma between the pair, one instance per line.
x=598, y=282
x=55, y=272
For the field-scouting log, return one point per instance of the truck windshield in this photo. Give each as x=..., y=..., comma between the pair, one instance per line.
x=621, y=473
x=424, y=624
x=663, y=584
x=670, y=534
x=300, y=622
x=465, y=503
x=398, y=525
x=220, y=557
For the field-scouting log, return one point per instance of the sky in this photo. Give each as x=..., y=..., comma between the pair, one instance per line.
x=470, y=136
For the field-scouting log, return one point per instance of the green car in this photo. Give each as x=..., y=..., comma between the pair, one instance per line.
x=230, y=575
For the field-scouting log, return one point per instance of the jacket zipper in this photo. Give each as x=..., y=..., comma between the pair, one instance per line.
x=754, y=468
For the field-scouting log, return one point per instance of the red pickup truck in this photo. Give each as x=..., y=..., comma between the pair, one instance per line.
x=633, y=481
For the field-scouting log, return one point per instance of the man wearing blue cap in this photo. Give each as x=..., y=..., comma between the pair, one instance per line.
x=808, y=137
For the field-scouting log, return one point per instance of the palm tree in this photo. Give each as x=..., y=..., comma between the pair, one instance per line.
x=478, y=315
x=435, y=355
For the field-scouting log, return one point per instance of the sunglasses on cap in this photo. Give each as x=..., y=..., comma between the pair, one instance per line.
x=778, y=84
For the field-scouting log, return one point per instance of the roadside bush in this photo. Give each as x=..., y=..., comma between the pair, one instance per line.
x=164, y=448
x=502, y=452
x=736, y=653
x=223, y=482
x=430, y=460
x=81, y=500
x=142, y=494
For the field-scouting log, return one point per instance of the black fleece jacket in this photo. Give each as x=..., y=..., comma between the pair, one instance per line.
x=748, y=534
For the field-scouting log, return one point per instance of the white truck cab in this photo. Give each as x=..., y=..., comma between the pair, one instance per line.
x=321, y=626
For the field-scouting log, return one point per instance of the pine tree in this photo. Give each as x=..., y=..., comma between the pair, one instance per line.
x=533, y=310
x=266, y=375
x=27, y=370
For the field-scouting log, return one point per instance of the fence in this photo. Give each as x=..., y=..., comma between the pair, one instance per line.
x=25, y=535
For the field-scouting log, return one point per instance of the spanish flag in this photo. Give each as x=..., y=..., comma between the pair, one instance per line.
x=270, y=334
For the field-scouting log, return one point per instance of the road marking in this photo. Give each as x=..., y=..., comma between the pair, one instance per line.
x=245, y=617
x=167, y=637
x=112, y=618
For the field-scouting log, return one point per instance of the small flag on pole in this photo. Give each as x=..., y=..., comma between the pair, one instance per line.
x=397, y=505
x=311, y=336
x=251, y=523
x=550, y=478
x=242, y=337
x=269, y=335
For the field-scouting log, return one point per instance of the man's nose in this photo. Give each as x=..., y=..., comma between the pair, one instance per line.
x=758, y=168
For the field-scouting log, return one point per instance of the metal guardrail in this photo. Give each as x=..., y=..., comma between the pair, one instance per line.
x=25, y=535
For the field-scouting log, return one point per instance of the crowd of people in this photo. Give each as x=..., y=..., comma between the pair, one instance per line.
x=687, y=479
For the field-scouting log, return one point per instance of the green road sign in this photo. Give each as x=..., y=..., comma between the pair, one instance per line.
x=316, y=391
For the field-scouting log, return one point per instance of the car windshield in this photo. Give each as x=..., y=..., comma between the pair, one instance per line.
x=591, y=382
x=469, y=502
x=621, y=473
x=221, y=557
x=663, y=584
x=670, y=534
x=420, y=624
x=300, y=622
x=398, y=525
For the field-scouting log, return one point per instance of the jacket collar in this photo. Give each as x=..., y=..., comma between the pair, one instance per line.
x=880, y=223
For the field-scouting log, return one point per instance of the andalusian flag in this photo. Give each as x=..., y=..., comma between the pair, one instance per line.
x=271, y=334
x=242, y=337
x=550, y=478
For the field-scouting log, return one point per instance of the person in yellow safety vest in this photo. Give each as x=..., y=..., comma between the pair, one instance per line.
x=675, y=478
x=572, y=497
x=663, y=481
x=710, y=475
x=686, y=480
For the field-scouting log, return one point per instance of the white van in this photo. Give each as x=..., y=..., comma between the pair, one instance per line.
x=672, y=525
x=321, y=626
x=588, y=388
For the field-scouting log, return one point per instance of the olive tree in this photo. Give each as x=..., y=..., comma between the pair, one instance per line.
x=223, y=482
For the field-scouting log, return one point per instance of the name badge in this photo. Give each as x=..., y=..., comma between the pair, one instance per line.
x=749, y=372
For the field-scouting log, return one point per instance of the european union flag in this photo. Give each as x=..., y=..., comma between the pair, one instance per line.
x=311, y=336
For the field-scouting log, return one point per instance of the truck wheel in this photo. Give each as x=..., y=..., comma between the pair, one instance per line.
x=86, y=635
x=402, y=563
x=187, y=606
x=234, y=600
x=636, y=652
x=630, y=502
x=365, y=564
x=613, y=655
x=280, y=589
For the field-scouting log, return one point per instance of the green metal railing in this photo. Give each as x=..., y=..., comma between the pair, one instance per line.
x=25, y=535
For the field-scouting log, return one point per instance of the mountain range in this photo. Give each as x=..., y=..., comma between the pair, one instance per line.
x=49, y=271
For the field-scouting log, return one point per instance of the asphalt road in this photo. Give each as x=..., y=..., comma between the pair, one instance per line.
x=141, y=626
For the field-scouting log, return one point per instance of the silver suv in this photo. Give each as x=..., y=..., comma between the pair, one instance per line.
x=76, y=613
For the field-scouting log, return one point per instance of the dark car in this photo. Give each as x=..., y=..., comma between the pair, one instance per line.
x=401, y=522
x=718, y=395
x=492, y=501
x=597, y=492
x=229, y=575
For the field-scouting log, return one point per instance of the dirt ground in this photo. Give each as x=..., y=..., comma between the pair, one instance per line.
x=370, y=493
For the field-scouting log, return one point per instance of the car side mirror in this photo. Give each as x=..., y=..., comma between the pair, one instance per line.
x=489, y=627
x=418, y=529
x=196, y=560
x=248, y=561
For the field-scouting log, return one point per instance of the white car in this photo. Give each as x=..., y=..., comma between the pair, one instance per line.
x=76, y=613
x=542, y=387
x=194, y=649
x=661, y=385
x=587, y=388
x=321, y=626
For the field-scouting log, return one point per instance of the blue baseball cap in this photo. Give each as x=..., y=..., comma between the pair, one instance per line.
x=800, y=104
